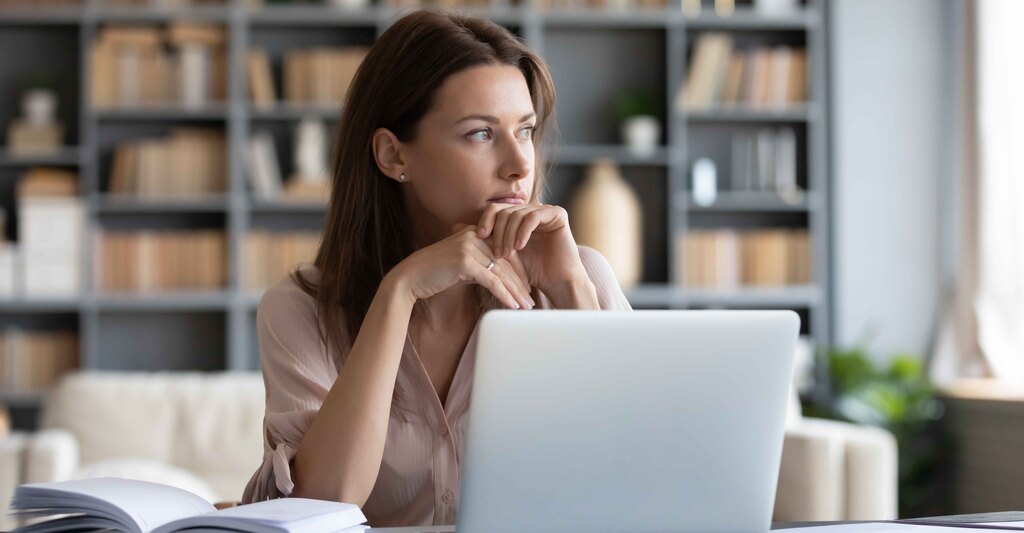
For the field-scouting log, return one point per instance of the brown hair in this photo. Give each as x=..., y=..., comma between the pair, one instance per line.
x=366, y=229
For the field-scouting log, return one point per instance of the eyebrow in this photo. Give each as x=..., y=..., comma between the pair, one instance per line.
x=493, y=119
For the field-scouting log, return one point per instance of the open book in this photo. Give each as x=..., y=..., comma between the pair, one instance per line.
x=132, y=506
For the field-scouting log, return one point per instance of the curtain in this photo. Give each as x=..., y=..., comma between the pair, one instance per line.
x=1000, y=299
x=982, y=332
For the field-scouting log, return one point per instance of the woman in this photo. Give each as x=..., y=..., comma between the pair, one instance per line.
x=434, y=218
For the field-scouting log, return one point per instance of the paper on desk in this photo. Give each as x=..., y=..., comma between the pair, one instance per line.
x=886, y=527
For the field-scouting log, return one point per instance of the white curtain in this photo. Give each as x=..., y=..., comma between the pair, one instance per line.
x=1000, y=90
x=982, y=332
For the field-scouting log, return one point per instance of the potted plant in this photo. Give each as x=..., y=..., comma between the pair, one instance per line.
x=637, y=112
x=897, y=397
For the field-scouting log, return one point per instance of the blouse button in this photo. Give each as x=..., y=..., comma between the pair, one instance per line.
x=448, y=497
x=444, y=431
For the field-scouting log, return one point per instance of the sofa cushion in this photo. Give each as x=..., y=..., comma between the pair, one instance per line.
x=208, y=423
x=220, y=424
x=115, y=414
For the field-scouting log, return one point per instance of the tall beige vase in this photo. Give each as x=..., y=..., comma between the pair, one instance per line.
x=605, y=215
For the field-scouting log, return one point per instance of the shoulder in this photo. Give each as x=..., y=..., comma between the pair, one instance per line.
x=596, y=265
x=286, y=304
x=599, y=270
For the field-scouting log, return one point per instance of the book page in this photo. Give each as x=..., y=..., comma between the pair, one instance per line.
x=277, y=515
x=140, y=506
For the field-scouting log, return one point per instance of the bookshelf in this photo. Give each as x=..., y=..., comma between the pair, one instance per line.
x=593, y=53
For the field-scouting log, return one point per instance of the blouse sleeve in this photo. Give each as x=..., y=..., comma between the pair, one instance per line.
x=609, y=294
x=297, y=375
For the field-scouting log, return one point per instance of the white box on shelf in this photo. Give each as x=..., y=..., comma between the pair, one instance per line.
x=49, y=274
x=46, y=223
x=8, y=255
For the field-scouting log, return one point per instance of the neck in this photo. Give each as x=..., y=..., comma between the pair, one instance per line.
x=426, y=229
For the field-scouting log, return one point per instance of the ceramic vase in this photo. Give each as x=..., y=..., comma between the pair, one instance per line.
x=606, y=216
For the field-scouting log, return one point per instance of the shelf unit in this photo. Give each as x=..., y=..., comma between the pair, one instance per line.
x=592, y=54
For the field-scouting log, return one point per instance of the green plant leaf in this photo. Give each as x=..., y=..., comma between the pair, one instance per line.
x=905, y=367
x=634, y=102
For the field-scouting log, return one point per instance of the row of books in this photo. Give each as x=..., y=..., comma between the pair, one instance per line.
x=317, y=76
x=599, y=4
x=38, y=3
x=765, y=160
x=263, y=171
x=164, y=3
x=191, y=161
x=150, y=66
x=35, y=360
x=730, y=258
x=720, y=75
x=150, y=261
x=269, y=256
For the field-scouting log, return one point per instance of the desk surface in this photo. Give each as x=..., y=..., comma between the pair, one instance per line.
x=1008, y=516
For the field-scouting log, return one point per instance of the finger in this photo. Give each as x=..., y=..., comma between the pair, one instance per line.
x=508, y=275
x=520, y=269
x=512, y=228
x=486, y=222
x=459, y=226
x=512, y=280
x=498, y=230
x=530, y=224
x=501, y=220
x=479, y=273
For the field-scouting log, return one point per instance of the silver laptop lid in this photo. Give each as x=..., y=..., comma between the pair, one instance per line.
x=626, y=421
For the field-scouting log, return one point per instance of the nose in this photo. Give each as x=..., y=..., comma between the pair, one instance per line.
x=517, y=160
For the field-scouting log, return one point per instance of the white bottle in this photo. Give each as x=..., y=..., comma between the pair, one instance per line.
x=705, y=182
x=311, y=149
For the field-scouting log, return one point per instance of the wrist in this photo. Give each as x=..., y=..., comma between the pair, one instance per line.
x=397, y=288
x=575, y=292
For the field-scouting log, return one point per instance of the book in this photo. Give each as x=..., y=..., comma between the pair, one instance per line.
x=133, y=66
x=142, y=168
x=785, y=164
x=35, y=360
x=269, y=256
x=706, y=80
x=261, y=82
x=132, y=506
x=194, y=64
x=763, y=77
x=781, y=67
x=727, y=258
x=320, y=76
x=262, y=166
x=161, y=260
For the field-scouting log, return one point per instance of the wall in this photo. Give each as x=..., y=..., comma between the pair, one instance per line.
x=890, y=68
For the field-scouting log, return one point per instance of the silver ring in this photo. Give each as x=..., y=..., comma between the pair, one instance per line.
x=490, y=265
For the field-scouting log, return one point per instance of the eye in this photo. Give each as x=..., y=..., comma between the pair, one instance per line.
x=529, y=132
x=480, y=135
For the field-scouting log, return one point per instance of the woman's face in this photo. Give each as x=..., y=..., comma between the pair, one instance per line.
x=473, y=148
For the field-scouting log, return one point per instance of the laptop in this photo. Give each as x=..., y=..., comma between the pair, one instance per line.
x=625, y=421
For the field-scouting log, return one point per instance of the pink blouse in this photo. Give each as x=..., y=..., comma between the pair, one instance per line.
x=419, y=478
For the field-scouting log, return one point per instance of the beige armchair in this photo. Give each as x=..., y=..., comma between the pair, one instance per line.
x=203, y=432
x=836, y=471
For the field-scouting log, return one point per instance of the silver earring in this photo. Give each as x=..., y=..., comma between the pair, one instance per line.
x=401, y=177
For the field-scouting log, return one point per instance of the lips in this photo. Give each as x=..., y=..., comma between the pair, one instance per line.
x=514, y=198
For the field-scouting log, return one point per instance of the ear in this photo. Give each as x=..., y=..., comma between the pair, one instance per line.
x=387, y=153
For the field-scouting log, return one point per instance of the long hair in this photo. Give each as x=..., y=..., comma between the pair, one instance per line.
x=366, y=230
